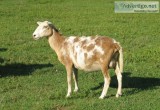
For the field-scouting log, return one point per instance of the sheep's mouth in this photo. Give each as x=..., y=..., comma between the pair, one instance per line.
x=35, y=38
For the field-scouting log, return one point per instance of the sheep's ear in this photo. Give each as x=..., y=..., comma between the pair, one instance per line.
x=39, y=22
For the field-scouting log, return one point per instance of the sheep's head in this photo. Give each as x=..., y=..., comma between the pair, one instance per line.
x=44, y=29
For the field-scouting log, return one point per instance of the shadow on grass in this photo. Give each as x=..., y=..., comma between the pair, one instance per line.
x=136, y=83
x=19, y=69
x=2, y=50
x=1, y=60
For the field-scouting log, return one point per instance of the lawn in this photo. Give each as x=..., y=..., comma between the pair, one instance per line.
x=32, y=78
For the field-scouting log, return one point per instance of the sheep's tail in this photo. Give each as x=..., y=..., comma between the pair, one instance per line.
x=120, y=57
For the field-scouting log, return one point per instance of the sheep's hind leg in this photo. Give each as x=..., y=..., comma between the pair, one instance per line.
x=119, y=78
x=106, y=82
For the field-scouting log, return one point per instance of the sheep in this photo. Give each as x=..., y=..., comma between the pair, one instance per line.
x=85, y=53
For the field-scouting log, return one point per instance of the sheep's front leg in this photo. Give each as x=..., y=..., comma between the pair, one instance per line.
x=69, y=74
x=75, y=78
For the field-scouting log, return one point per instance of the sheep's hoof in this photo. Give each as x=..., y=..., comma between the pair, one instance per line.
x=68, y=96
x=101, y=97
x=118, y=95
x=75, y=90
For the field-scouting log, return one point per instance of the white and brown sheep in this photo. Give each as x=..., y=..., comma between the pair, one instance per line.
x=86, y=53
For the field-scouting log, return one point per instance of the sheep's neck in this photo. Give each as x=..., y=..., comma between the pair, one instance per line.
x=55, y=41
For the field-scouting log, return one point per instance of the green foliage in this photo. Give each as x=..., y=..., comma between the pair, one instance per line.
x=32, y=78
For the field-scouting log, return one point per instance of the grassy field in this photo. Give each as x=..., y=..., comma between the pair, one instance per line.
x=31, y=77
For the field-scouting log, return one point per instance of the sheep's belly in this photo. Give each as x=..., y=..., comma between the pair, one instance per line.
x=88, y=67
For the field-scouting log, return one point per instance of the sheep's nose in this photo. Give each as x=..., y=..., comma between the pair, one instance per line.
x=34, y=35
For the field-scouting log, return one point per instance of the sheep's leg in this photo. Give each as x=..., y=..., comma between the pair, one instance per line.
x=119, y=78
x=106, y=82
x=75, y=78
x=69, y=74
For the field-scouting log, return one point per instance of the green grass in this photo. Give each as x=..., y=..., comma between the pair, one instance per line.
x=32, y=78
